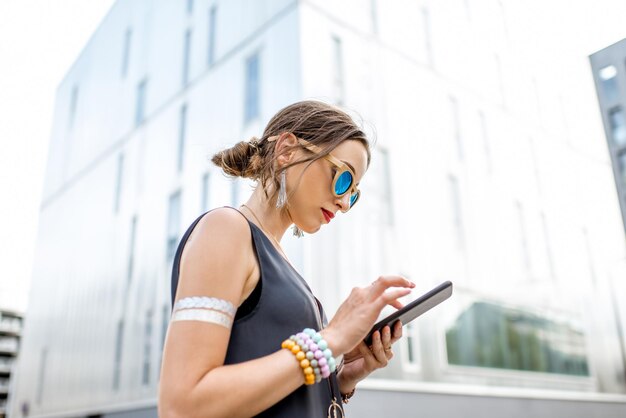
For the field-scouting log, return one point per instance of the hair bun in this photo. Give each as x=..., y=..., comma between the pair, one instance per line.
x=241, y=160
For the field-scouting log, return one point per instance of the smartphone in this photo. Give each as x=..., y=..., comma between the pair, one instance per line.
x=414, y=309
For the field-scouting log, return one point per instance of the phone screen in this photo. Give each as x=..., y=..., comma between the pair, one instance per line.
x=414, y=309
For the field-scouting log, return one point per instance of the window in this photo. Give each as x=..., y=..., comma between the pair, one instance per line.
x=141, y=102
x=73, y=105
x=524, y=250
x=621, y=165
x=618, y=126
x=608, y=82
x=147, y=349
x=252, y=88
x=412, y=345
x=118, y=183
x=42, y=374
x=131, y=252
x=126, y=51
x=490, y=335
x=234, y=193
x=379, y=188
x=211, y=45
x=206, y=184
x=186, y=56
x=374, y=15
x=173, y=224
x=427, y=36
x=457, y=217
x=338, y=79
x=456, y=126
x=182, y=133
x=117, y=364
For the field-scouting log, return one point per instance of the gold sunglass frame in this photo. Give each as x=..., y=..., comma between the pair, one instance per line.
x=340, y=165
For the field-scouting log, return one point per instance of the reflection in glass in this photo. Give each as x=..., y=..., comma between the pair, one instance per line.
x=618, y=126
x=608, y=78
x=494, y=336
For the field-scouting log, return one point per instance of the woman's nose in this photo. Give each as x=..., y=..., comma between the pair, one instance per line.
x=343, y=202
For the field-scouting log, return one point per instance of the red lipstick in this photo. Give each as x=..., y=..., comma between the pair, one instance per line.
x=328, y=215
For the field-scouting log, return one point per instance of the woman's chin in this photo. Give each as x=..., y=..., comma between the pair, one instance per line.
x=311, y=229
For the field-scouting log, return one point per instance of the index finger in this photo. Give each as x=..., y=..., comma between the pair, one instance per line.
x=385, y=282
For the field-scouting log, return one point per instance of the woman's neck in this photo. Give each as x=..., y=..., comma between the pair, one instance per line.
x=273, y=221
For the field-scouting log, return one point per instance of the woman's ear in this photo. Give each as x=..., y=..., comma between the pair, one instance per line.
x=285, y=148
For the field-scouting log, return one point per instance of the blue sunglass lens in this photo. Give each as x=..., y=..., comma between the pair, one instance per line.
x=344, y=182
x=353, y=199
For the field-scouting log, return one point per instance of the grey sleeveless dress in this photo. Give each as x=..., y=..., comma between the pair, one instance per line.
x=282, y=304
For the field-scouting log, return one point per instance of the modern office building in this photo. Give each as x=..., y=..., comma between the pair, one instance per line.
x=489, y=170
x=609, y=74
x=10, y=334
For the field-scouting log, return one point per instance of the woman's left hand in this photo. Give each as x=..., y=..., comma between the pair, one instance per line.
x=363, y=360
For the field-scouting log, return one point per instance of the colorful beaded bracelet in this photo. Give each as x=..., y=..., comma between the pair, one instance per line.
x=311, y=350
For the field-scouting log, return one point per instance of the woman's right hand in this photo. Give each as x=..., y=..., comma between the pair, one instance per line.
x=358, y=313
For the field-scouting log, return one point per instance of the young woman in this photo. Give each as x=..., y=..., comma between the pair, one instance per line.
x=247, y=337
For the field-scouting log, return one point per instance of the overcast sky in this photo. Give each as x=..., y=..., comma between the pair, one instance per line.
x=40, y=39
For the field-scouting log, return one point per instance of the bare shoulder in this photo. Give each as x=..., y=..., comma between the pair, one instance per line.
x=218, y=257
x=222, y=224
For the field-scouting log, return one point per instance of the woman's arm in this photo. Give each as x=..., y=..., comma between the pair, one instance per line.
x=217, y=261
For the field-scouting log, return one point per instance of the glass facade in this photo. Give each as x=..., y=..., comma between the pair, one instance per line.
x=618, y=126
x=608, y=78
x=491, y=335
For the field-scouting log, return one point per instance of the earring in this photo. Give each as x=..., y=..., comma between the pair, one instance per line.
x=297, y=232
x=282, y=192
